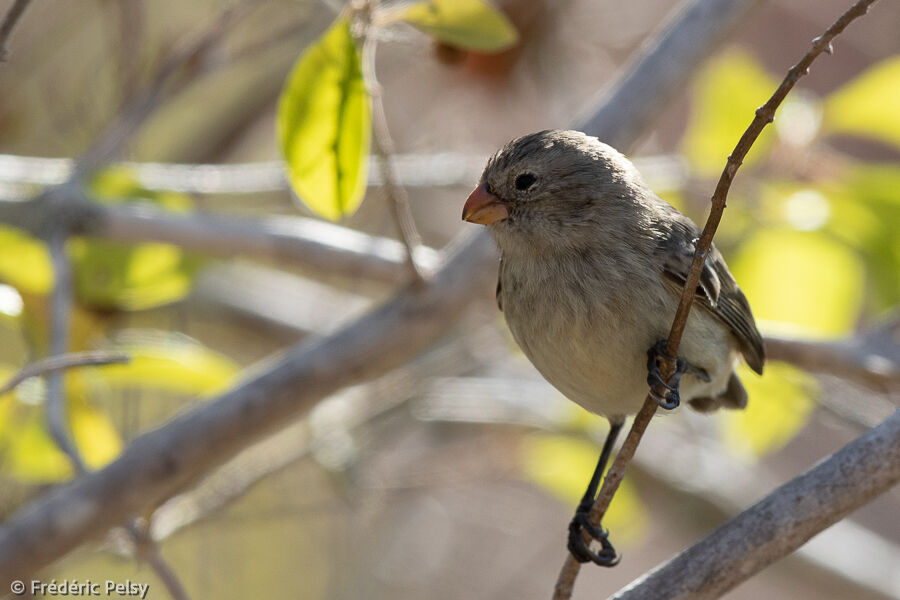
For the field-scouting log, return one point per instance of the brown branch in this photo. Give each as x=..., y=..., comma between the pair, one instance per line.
x=781, y=522
x=764, y=115
x=61, y=363
x=12, y=17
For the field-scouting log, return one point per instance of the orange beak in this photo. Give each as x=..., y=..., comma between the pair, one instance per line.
x=483, y=207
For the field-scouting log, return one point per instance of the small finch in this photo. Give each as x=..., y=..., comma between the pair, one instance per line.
x=591, y=270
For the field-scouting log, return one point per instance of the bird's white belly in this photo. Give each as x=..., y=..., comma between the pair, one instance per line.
x=597, y=357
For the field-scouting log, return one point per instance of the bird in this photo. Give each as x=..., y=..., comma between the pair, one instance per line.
x=592, y=266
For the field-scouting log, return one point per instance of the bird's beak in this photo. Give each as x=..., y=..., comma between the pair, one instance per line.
x=483, y=207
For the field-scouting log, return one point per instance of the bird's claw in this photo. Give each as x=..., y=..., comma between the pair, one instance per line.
x=670, y=399
x=581, y=551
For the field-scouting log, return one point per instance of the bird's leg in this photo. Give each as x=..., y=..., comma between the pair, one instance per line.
x=671, y=399
x=606, y=556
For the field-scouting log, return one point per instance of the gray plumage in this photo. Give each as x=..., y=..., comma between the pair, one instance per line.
x=591, y=271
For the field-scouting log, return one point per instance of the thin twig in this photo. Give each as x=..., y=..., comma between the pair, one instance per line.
x=384, y=148
x=60, y=325
x=764, y=115
x=61, y=363
x=147, y=550
x=111, y=142
x=9, y=23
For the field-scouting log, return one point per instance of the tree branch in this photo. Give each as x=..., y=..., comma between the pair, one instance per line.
x=781, y=522
x=12, y=17
x=322, y=247
x=764, y=116
x=61, y=363
x=845, y=359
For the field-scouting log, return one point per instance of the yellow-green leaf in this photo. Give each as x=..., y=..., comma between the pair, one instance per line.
x=468, y=24
x=30, y=454
x=779, y=405
x=171, y=363
x=865, y=106
x=324, y=121
x=805, y=282
x=563, y=466
x=725, y=97
x=24, y=262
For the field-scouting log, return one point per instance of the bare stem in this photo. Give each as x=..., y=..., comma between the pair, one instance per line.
x=383, y=144
x=764, y=115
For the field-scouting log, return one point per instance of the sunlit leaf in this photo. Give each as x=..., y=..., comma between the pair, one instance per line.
x=110, y=274
x=563, y=466
x=866, y=208
x=803, y=281
x=324, y=120
x=467, y=24
x=725, y=97
x=128, y=276
x=31, y=455
x=24, y=262
x=779, y=406
x=171, y=363
x=865, y=106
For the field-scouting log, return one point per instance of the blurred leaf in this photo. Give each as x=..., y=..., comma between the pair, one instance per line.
x=863, y=106
x=171, y=363
x=866, y=216
x=24, y=262
x=805, y=281
x=468, y=24
x=127, y=276
x=114, y=275
x=779, y=406
x=563, y=466
x=30, y=454
x=725, y=97
x=324, y=120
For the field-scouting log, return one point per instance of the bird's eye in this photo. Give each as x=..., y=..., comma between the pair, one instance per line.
x=525, y=181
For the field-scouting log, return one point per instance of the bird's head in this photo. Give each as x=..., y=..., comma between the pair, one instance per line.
x=550, y=190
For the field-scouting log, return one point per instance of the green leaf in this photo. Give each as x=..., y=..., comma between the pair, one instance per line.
x=126, y=276
x=468, y=24
x=563, y=466
x=864, y=105
x=779, y=406
x=324, y=121
x=24, y=262
x=29, y=453
x=172, y=363
x=866, y=214
x=725, y=97
x=804, y=282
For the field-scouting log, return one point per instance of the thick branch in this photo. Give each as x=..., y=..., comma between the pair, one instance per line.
x=781, y=522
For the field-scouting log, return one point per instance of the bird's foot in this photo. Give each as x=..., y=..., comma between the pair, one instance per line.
x=606, y=556
x=655, y=354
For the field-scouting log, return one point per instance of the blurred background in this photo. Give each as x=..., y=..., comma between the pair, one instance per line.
x=456, y=475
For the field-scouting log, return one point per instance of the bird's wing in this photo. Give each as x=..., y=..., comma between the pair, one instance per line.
x=718, y=290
